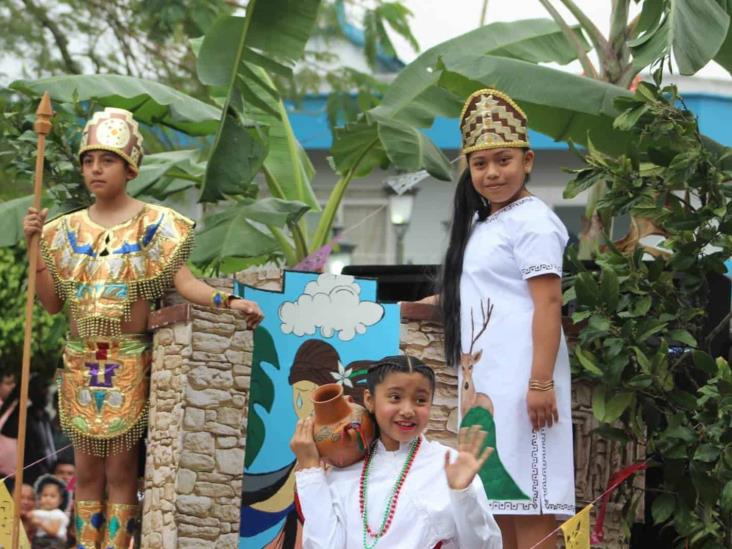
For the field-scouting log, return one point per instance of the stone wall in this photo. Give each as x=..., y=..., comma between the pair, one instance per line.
x=199, y=399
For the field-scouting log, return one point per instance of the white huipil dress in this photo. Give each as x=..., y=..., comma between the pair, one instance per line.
x=428, y=513
x=530, y=473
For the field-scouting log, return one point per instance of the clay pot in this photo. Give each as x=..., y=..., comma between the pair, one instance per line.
x=343, y=430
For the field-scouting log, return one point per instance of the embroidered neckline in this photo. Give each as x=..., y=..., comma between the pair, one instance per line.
x=511, y=206
x=139, y=213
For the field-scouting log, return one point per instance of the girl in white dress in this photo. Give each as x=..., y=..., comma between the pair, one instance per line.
x=408, y=493
x=501, y=304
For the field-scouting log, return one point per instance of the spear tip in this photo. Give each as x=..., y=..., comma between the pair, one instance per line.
x=44, y=112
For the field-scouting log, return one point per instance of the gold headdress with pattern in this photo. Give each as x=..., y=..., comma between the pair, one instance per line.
x=114, y=130
x=492, y=120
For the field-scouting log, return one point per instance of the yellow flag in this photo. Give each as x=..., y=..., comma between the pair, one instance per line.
x=6, y=521
x=577, y=530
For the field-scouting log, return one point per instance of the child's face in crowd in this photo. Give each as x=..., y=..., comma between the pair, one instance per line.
x=401, y=404
x=65, y=472
x=7, y=384
x=27, y=498
x=50, y=497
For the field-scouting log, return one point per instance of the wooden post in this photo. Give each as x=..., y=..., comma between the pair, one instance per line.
x=42, y=127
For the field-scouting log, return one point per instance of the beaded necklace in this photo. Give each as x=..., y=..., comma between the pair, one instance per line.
x=393, y=498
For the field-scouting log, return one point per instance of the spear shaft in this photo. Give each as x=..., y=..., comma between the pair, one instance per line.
x=42, y=127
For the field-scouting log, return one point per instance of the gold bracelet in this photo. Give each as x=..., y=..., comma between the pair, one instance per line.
x=220, y=300
x=537, y=385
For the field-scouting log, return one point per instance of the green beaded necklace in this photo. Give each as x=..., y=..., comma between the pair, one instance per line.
x=393, y=497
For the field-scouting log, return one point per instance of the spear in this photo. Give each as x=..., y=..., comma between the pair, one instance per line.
x=42, y=127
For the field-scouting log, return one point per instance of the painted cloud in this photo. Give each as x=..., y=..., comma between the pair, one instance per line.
x=332, y=304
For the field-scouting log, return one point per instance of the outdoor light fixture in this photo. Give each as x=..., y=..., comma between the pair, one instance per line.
x=400, y=213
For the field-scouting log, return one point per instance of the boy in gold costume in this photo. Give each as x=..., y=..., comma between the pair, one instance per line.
x=106, y=263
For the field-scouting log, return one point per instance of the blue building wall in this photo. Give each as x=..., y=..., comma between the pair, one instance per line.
x=310, y=123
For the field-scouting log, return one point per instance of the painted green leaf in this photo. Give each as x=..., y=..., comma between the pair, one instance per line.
x=261, y=392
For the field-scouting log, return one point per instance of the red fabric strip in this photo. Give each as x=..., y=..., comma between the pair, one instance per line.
x=598, y=535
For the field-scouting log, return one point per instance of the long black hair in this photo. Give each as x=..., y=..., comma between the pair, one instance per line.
x=466, y=204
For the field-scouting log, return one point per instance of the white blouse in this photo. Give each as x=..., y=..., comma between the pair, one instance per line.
x=54, y=515
x=428, y=511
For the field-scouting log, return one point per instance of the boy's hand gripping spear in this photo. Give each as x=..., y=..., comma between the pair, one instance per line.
x=42, y=127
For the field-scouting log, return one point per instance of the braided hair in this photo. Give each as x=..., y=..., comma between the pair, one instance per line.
x=404, y=364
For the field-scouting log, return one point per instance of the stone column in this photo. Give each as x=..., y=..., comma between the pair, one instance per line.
x=199, y=398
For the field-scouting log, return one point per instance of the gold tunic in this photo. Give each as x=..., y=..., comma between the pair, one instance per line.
x=100, y=272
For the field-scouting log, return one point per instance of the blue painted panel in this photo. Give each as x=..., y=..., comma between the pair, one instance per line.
x=319, y=329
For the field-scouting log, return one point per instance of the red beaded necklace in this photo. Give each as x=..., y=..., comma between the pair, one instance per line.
x=393, y=498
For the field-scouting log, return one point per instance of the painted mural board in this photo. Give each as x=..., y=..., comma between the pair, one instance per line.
x=7, y=505
x=321, y=328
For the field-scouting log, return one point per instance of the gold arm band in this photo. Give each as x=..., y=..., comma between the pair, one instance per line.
x=536, y=385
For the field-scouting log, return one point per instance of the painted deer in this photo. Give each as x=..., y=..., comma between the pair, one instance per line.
x=469, y=398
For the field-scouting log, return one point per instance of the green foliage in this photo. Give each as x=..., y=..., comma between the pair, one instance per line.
x=350, y=91
x=644, y=338
x=694, y=30
x=150, y=102
x=144, y=39
x=18, y=156
x=48, y=331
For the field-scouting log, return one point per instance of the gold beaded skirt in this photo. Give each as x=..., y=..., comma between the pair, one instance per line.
x=103, y=392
